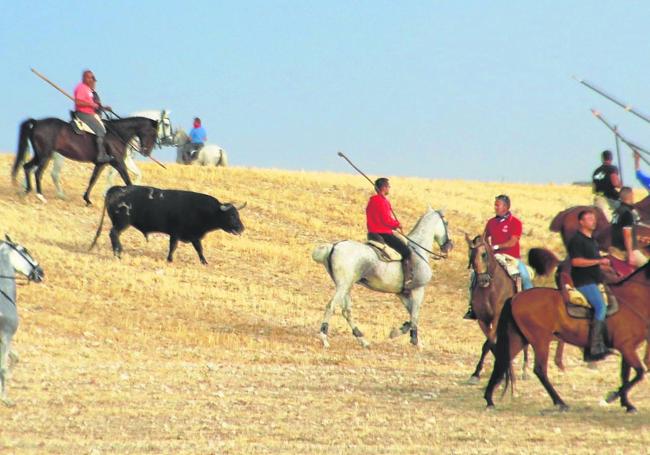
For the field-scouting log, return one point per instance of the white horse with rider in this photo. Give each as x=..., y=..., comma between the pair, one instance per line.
x=209, y=155
x=349, y=262
x=165, y=137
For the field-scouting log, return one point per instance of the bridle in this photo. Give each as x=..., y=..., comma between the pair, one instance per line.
x=28, y=259
x=483, y=279
x=444, y=247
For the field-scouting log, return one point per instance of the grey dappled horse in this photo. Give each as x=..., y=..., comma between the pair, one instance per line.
x=13, y=258
x=209, y=155
x=349, y=262
x=165, y=137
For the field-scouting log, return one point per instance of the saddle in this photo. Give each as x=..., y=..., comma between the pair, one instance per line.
x=384, y=252
x=511, y=265
x=577, y=305
x=78, y=125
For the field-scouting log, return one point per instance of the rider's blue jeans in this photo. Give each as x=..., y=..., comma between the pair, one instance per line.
x=595, y=298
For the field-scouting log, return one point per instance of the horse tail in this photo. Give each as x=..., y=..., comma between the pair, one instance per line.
x=101, y=221
x=26, y=131
x=502, y=364
x=543, y=261
x=322, y=253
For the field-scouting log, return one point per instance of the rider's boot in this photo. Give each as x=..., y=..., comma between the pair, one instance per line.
x=102, y=156
x=407, y=270
x=597, y=349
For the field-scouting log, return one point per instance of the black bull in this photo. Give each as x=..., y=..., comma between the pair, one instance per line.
x=183, y=215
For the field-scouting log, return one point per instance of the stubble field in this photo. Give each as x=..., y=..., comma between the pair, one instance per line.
x=141, y=356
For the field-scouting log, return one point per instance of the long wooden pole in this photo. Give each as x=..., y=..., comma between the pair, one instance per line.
x=631, y=145
x=601, y=92
x=68, y=95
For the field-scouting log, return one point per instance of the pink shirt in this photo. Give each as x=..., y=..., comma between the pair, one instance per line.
x=84, y=93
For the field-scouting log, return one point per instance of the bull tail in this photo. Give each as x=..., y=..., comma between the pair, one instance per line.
x=101, y=222
x=26, y=130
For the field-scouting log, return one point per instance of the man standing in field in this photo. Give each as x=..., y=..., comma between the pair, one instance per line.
x=381, y=223
x=606, y=184
x=503, y=233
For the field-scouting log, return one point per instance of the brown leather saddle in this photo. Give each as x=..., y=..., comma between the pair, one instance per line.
x=576, y=303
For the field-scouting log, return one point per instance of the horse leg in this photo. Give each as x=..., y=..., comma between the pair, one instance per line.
x=524, y=369
x=417, y=295
x=559, y=353
x=199, y=249
x=57, y=166
x=38, y=175
x=474, y=378
x=513, y=344
x=542, y=348
x=630, y=359
x=338, y=298
x=27, y=167
x=406, y=326
x=5, y=348
x=133, y=168
x=346, y=310
x=93, y=179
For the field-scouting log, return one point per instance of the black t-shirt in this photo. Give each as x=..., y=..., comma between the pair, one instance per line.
x=582, y=246
x=602, y=180
x=624, y=218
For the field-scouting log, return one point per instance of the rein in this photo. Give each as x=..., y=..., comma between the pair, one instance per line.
x=7, y=297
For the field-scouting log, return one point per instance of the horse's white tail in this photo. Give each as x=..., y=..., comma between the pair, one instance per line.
x=321, y=253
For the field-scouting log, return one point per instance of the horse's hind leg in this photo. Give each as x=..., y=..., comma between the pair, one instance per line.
x=38, y=175
x=27, y=167
x=337, y=299
x=559, y=353
x=347, y=314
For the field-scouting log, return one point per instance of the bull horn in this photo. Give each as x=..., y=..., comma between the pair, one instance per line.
x=241, y=206
x=225, y=207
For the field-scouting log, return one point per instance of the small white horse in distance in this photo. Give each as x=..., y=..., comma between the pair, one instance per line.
x=209, y=155
x=13, y=258
x=165, y=136
x=349, y=262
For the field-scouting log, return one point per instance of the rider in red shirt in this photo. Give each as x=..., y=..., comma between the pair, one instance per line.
x=381, y=223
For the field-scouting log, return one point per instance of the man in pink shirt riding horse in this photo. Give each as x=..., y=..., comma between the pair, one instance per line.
x=87, y=106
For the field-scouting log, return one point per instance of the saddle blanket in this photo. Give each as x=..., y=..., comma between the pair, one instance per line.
x=511, y=265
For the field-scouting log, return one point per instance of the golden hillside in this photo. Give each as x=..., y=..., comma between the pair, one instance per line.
x=141, y=356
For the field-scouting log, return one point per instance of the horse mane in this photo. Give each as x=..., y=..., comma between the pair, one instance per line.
x=543, y=261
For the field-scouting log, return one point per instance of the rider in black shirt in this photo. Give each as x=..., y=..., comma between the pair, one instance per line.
x=624, y=235
x=605, y=185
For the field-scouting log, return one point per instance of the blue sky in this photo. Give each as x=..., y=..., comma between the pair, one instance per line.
x=478, y=90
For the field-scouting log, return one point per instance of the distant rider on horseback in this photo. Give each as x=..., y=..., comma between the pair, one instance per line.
x=586, y=276
x=606, y=183
x=87, y=106
x=503, y=233
x=381, y=223
x=624, y=231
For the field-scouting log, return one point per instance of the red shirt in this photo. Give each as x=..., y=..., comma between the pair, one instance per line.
x=501, y=230
x=379, y=216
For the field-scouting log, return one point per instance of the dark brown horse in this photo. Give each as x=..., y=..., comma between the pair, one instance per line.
x=566, y=223
x=537, y=315
x=54, y=135
x=490, y=288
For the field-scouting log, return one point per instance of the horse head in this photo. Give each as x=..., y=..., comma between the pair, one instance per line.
x=441, y=234
x=147, y=132
x=23, y=262
x=479, y=260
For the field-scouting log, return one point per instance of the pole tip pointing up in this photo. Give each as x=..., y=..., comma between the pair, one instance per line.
x=339, y=153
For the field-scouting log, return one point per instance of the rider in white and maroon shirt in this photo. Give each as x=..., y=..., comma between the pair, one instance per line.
x=503, y=233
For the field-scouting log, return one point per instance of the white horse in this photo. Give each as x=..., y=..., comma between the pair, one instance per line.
x=349, y=262
x=165, y=136
x=13, y=258
x=209, y=155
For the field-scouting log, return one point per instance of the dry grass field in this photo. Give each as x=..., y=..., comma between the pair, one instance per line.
x=141, y=356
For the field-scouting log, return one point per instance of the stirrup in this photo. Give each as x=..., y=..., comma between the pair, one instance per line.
x=470, y=315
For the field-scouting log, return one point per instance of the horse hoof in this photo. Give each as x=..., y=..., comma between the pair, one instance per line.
x=631, y=410
x=611, y=397
x=473, y=380
x=524, y=376
x=362, y=341
x=396, y=332
x=562, y=407
x=323, y=338
x=41, y=198
x=489, y=408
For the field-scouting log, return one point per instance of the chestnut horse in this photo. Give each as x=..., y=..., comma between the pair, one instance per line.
x=490, y=287
x=537, y=315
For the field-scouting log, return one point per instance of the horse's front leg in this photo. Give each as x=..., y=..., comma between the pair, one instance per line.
x=93, y=179
x=57, y=166
x=121, y=169
x=417, y=296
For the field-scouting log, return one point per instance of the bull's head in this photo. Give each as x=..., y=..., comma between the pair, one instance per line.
x=230, y=221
